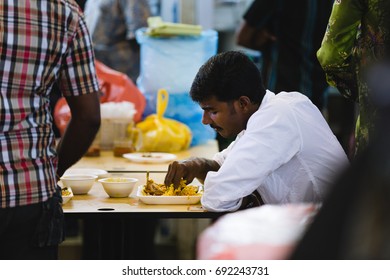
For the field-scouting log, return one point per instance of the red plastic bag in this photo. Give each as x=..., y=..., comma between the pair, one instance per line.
x=115, y=87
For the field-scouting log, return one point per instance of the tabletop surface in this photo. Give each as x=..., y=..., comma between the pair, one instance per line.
x=98, y=203
x=107, y=161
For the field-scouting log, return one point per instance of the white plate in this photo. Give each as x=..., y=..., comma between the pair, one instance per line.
x=151, y=199
x=89, y=171
x=150, y=157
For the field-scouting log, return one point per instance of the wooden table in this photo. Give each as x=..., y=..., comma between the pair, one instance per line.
x=97, y=199
x=109, y=223
x=98, y=203
x=107, y=161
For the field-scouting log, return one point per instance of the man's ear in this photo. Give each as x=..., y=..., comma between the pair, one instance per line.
x=244, y=101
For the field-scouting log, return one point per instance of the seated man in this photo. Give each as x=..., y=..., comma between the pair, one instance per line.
x=284, y=150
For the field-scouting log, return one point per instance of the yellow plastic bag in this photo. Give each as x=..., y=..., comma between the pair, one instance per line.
x=161, y=134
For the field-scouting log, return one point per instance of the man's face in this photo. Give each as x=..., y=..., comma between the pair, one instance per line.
x=226, y=118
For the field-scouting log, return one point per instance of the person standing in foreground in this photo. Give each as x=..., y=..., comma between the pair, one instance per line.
x=353, y=222
x=358, y=35
x=43, y=42
x=284, y=150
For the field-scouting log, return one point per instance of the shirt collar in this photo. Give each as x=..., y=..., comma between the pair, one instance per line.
x=267, y=97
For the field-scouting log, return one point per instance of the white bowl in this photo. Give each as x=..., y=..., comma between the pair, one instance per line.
x=86, y=171
x=67, y=194
x=80, y=184
x=118, y=186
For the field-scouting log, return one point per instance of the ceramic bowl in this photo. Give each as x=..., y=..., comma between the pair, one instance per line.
x=80, y=184
x=118, y=186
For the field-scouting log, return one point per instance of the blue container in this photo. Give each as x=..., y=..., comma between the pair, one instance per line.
x=172, y=63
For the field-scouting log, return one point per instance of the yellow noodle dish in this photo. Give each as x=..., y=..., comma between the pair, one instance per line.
x=154, y=189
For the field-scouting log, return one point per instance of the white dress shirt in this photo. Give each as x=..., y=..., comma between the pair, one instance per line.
x=287, y=153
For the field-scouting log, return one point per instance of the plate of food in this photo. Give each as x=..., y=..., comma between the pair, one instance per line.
x=150, y=157
x=154, y=193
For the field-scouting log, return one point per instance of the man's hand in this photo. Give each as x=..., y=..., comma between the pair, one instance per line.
x=188, y=170
x=253, y=38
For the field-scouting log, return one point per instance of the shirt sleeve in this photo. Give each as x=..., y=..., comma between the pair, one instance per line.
x=335, y=54
x=271, y=139
x=221, y=156
x=78, y=74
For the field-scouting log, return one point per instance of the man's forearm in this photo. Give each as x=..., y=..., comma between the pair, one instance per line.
x=74, y=144
x=81, y=130
x=203, y=166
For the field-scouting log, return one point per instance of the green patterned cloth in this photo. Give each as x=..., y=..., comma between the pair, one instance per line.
x=358, y=34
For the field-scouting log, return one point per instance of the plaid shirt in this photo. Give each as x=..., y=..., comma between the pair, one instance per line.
x=41, y=42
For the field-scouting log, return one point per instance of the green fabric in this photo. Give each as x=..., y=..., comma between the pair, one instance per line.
x=357, y=35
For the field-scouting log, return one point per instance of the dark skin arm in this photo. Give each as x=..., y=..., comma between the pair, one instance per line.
x=192, y=168
x=81, y=130
x=189, y=169
x=253, y=38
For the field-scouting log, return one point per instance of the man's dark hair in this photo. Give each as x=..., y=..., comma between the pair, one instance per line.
x=227, y=76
